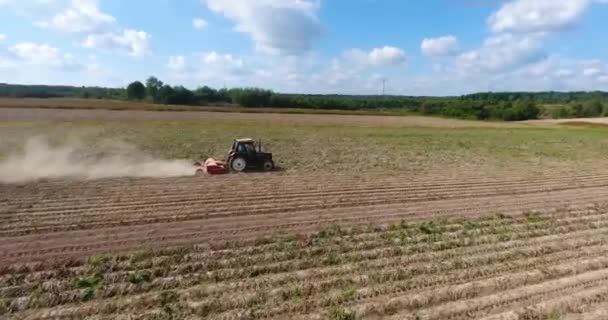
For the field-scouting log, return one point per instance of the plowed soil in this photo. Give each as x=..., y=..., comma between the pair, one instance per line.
x=37, y=114
x=56, y=219
x=442, y=223
x=302, y=246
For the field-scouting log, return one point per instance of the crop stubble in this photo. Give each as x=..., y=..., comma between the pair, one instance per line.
x=273, y=246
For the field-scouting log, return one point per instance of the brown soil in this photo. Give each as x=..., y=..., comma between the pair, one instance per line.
x=57, y=219
x=438, y=246
x=44, y=114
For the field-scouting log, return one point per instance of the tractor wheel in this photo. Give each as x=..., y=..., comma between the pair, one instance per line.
x=238, y=164
x=268, y=165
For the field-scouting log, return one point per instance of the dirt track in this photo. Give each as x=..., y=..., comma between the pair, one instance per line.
x=573, y=121
x=72, y=219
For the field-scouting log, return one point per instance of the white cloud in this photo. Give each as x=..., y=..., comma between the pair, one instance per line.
x=593, y=69
x=502, y=52
x=136, y=43
x=442, y=46
x=539, y=15
x=37, y=57
x=31, y=63
x=550, y=73
x=378, y=56
x=387, y=55
x=208, y=66
x=2, y=37
x=338, y=74
x=37, y=54
x=314, y=74
x=592, y=72
x=199, y=23
x=564, y=73
x=96, y=29
x=81, y=16
x=214, y=58
x=275, y=26
x=37, y=8
x=177, y=63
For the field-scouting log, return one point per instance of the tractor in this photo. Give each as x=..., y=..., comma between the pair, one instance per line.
x=242, y=155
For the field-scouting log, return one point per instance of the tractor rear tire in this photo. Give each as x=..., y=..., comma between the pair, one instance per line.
x=268, y=165
x=238, y=164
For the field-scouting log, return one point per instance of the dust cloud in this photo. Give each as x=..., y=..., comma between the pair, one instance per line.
x=40, y=160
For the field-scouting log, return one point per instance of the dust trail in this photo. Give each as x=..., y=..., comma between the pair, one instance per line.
x=40, y=160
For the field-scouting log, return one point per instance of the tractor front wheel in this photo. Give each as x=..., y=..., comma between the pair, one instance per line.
x=268, y=165
x=238, y=164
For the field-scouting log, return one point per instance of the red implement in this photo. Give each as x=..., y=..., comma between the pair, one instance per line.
x=212, y=166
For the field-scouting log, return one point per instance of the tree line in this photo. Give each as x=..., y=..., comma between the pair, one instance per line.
x=508, y=106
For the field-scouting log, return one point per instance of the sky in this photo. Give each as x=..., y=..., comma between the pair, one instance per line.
x=431, y=47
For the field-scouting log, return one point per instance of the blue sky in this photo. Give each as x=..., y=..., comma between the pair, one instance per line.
x=432, y=47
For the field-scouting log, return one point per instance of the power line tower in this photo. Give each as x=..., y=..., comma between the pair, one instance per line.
x=384, y=87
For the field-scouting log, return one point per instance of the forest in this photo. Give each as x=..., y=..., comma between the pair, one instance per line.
x=508, y=106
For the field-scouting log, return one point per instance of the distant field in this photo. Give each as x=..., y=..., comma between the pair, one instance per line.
x=326, y=143
x=77, y=103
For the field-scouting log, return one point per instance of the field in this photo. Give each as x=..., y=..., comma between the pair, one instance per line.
x=367, y=218
x=96, y=104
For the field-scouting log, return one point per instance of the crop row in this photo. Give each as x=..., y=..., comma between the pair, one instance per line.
x=400, y=269
x=165, y=194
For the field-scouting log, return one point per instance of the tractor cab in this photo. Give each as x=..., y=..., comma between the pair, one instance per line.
x=245, y=153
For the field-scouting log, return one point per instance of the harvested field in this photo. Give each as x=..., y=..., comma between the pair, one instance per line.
x=38, y=114
x=369, y=218
x=364, y=245
x=95, y=104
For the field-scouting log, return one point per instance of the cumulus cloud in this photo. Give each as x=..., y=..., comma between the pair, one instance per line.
x=539, y=15
x=208, y=66
x=514, y=55
x=441, y=46
x=591, y=72
x=502, y=52
x=25, y=59
x=79, y=16
x=199, y=23
x=38, y=54
x=84, y=18
x=594, y=69
x=378, y=56
x=564, y=73
x=387, y=55
x=225, y=61
x=136, y=43
x=177, y=63
x=275, y=26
